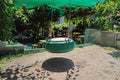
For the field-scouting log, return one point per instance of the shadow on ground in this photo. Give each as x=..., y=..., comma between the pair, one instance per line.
x=35, y=71
x=58, y=64
x=21, y=72
x=115, y=54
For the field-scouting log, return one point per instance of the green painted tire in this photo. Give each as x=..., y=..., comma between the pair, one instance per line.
x=60, y=45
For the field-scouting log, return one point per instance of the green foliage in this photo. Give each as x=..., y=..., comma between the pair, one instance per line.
x=6, y=20
x=37, y=19
x=19, y=13
x=5, y=58
x=101, y=23
x=105, y=15
x=107, y=8
x=21, y=19
x=118, y=58
x=110, y=48
x=2, y=68
x=41, y=17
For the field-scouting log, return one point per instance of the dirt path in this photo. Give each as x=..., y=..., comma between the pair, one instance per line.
x=88, y=63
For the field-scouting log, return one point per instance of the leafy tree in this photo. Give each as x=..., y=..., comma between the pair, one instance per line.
x=21, y=19
x=105, y=14
x=36, y=20
x=6, y=20
x=41, y=18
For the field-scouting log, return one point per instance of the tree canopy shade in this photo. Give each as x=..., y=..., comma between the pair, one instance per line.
x=57, y=3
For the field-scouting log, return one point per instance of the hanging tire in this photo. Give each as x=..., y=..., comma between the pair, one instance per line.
x=60, y=45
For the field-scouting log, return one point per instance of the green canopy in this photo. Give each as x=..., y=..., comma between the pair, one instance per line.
x=57, y=3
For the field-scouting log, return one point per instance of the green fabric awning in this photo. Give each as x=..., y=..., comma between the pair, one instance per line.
x=57, y=3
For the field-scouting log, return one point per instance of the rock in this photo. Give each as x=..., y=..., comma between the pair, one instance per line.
x=37, y=70
x=26, y=70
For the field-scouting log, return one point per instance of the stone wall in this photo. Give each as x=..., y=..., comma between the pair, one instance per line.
x=102, y=37
x=5, y=48
x=108, y=38
x=92, y=36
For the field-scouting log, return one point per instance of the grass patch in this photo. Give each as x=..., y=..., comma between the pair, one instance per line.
x=2, y=68
x=112, y=62
x=83, y=45
x=118, y=58
x=110, y=48
x=7, y=57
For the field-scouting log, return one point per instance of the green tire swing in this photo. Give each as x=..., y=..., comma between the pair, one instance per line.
x=60, y=44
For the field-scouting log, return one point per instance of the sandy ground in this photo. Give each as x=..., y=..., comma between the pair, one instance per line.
x=87, y=63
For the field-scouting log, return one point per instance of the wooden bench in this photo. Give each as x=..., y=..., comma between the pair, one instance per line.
x=34, y=46
x=41, y=43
